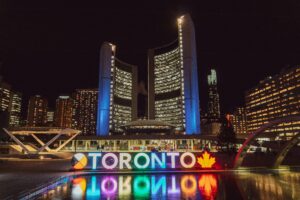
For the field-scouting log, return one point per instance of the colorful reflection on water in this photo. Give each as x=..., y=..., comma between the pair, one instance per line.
x=180, y=186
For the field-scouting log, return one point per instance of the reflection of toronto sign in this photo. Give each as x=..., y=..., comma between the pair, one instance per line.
x=145, y=186
x=143, y=161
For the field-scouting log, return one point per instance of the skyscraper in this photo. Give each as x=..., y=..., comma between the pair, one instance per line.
x=10, y=102
x=213, y=97
x=239, y=120
x=63, y=112
x=117, y=103
x=5, y=96
x=15, y=108
x=50, y=118
x=37, y=111
x=173, y=81
x=272, y=98
x=85, y=110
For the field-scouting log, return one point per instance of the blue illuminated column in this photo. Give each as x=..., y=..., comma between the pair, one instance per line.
x=187, y=44
x=106, y=63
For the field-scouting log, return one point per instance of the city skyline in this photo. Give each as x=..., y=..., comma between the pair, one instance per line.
x=232, y=42
x=129, y=99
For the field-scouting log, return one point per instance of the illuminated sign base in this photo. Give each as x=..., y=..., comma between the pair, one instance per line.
x=116, y=161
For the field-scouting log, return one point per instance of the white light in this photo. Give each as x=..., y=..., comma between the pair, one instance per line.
x=182, y=160
x=115, y=159
x=137, y=164
x=173, y=161
x=125, y=158
x=94, y=160
x=124, y=186
x=180, y=20
x=173, y=189
x=113, y=48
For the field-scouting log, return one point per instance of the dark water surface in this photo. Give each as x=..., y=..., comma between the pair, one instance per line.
x=208, y=186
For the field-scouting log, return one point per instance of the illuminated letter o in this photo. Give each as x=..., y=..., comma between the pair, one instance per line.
x=182, y=161
x=111, y=182
x=188, y=185
x=136, y=159
x=115, y=163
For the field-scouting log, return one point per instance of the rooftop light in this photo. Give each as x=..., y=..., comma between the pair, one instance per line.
x=180, y=19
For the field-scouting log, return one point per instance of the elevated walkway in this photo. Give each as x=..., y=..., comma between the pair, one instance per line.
x=70, y=134
x=19, y=148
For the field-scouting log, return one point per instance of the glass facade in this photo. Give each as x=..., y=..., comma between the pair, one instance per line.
x=168, y=87
x=122, y=94
x=173, y=81
x=272, y=98
x=85, y=110
x=15, y=109
x=117, y=103
x=37, y=111
x=63, y=112
x=5, y=93
x=213, y=97
x=239, y=120
x=10, y=102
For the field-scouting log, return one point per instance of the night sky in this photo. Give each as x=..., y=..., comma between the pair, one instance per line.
x=51, y=49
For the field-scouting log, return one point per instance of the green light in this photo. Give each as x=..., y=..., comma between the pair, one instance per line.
x=141, y=157
x=141, y=186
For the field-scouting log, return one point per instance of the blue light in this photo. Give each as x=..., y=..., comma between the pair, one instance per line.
x=192, y=112
x=161, y=183
x=191, y=92
x=155, y=159
x=94, y=159
x=93, y=191
x=104, y=90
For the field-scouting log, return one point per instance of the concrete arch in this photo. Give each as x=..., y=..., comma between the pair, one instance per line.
x=285, y=149
x=244, y=148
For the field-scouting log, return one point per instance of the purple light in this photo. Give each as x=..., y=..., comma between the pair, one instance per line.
x=109, y=185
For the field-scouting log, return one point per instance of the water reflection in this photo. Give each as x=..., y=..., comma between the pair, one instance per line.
x=180, y=186
x=208, y=186
x=270, y=186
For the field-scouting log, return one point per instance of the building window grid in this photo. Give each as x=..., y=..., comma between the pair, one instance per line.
x=121, y=87
x=278, y=101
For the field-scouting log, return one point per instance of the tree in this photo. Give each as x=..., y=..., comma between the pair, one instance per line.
x=227, y=136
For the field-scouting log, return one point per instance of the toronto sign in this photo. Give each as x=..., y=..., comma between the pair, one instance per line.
x=143, y=160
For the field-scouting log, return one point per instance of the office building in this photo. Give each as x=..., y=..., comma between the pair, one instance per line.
x=50, y=118
x=85, y=110
x=239, y=120
x=5, y=96
x=63, y=112
x=173, y=95
x=37, y=111
x=117, y=103
x=272, y=98
x=10, y=102
x=14, y=108
x=213, y=97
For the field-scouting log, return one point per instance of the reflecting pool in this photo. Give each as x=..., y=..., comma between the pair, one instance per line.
x=207, y=186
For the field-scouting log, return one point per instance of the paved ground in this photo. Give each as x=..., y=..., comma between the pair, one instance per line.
x=19, y=176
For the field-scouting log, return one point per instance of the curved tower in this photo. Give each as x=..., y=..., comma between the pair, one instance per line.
x=117, y=100
x=173, y=81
